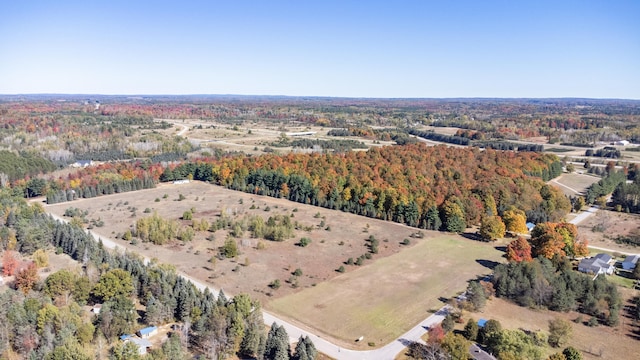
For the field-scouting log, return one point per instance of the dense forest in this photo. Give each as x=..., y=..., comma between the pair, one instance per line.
x=428, y=187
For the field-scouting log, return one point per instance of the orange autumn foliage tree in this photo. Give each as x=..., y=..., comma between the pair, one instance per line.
x=26, y=278
x=519, y=250
x=550, y=239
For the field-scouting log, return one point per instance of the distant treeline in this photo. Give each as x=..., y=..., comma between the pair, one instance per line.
x=506, y=145
x=335, y=145
x=607, y=152
x=103, y=155
x=103, y=188
x=430, y=135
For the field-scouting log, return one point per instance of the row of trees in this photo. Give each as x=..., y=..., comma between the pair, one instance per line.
x=605, y=186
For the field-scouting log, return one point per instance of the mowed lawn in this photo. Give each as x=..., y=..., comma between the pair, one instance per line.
x=573, y=183
x=388, y=296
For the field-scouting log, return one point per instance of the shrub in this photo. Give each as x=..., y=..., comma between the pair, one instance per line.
x=340, y=269
x=298, y=272
x=275, y=284
x=304, y=242
x=405, y=242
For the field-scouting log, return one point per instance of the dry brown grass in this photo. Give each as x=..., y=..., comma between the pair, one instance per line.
x=601, y=342
x=386, y=298
x=399, y=279
x=602, y=228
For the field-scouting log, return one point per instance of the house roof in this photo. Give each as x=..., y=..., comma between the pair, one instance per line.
x=632, y=259
x=140, y=342
x=148, y=330
x=482, y=322
x=594, y=264
x=604, y=257
x=126, y=336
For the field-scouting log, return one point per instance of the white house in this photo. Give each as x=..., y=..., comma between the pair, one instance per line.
x=598, y=264
x=142, y=344
x=630, y=262
x=148, y=332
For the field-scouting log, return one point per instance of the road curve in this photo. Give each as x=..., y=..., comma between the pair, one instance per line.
x=387, y=352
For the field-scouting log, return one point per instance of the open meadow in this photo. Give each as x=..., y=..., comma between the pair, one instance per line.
x=382, y=298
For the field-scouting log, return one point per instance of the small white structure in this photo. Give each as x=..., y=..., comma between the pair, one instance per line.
x=630, y=262
x=303, y=133
x=621, y=143
x=178, y=182
x=96, y=309
x=82, y=163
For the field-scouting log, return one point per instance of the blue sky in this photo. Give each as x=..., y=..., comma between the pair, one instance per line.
x=322, y=48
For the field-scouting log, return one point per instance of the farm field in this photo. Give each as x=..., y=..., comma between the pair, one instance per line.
x=252, y=137
x=408, y=279
x=384, y=299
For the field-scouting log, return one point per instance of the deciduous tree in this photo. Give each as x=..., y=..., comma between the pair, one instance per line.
x=27, y=278
x=559, y=332
x=9, y=263
x=519, y=250
x=492, y=228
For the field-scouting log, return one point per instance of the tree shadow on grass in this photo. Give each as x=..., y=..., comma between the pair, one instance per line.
x=472, y=236
x=501, y=248
x=489, y=264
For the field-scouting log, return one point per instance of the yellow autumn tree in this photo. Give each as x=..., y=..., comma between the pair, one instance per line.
x=515, y=221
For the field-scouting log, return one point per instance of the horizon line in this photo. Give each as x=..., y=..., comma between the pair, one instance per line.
x=321, y=96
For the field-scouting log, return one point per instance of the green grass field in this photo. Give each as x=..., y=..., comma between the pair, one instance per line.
x=387, y=297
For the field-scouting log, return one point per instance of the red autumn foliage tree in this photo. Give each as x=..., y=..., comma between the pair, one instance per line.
x=436, y=334
x=519, y=250
x=9, y=263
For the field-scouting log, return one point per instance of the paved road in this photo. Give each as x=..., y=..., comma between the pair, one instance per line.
x=388, y=351
x=478, y=354
x=584, y=215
